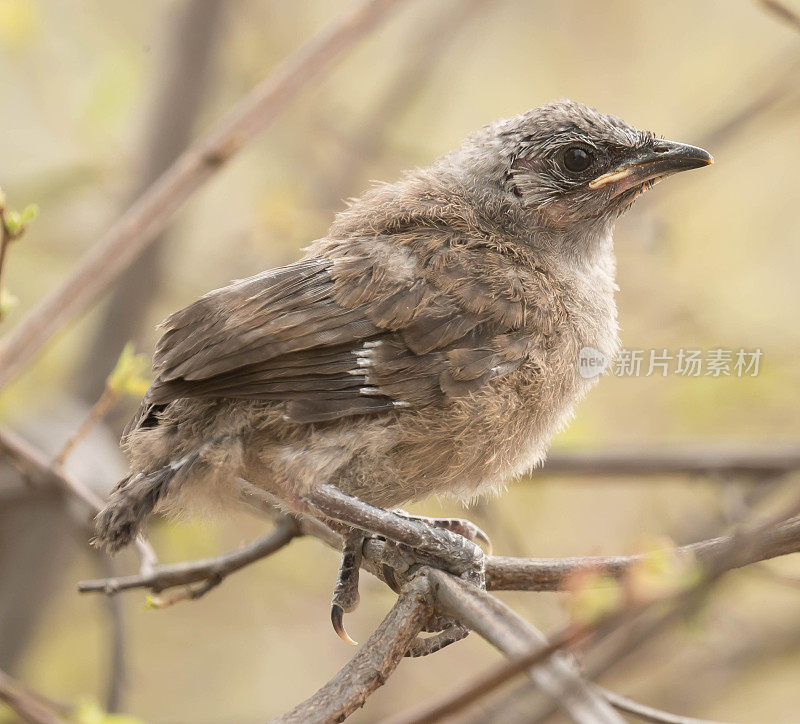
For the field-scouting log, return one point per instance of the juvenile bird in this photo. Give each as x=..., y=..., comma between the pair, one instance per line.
x=428, y=344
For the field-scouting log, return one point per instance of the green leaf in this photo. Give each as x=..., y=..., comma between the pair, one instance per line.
x=129, y=376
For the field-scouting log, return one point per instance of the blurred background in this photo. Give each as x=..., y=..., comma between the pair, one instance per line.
x=97, y=98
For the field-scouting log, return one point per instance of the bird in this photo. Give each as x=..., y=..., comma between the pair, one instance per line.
x=429, y=344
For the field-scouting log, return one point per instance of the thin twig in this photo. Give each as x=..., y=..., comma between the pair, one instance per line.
x=153, y=211
x=648, y=713
x=117, y=674
x=506, y=573
x=375, y=661
x=98, y=411
x=210, y=572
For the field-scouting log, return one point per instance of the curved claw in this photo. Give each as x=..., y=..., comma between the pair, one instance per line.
x=483, y=538
x=337, y=613
x=388, y=576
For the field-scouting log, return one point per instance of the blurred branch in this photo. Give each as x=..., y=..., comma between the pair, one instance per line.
x=96, y=413
x=366, y=142
x=375, y=661
x=39, y=471
x=30, y=707
x=182, y=86
x=118, y=665
x=723, y=461
x=648, y=713
x=776, y=81
x=781, y=11
x=153, y=211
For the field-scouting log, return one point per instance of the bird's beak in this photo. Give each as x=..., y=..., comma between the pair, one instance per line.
x=652, y=163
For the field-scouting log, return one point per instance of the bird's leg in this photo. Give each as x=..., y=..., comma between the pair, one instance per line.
x=345, y=594
x=407, y=542
x=459, y=526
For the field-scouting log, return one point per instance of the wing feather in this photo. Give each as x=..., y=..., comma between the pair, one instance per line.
x=365, y=330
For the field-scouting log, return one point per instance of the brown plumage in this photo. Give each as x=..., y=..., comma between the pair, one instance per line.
x=428, y=344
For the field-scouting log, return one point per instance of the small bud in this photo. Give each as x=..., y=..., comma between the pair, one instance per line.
x=2, y=200
x=29, y=213
x=13, y=222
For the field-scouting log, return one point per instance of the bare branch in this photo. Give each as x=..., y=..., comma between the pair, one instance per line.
x=723, y=461
x=153, y=211
x=375, y=661
x=506, y=573
x=208, y=571
x=29, y=706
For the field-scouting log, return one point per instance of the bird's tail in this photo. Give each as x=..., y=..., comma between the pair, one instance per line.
x=131, y=501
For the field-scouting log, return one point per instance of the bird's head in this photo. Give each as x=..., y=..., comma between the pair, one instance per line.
x=568, y=165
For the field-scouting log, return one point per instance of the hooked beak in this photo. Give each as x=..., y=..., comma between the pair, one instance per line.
x=652, y=163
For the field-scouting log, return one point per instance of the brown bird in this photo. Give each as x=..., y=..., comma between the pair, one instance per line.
x=428, y=344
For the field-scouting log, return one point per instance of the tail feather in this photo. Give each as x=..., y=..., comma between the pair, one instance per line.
x=131, y=501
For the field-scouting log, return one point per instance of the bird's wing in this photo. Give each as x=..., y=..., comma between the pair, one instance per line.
x=359, y=331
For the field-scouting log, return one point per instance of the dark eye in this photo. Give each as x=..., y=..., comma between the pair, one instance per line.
x=577, y=159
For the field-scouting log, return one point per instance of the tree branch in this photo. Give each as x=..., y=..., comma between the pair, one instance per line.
x=721, y=460
x=375, y=661
x=210, y=571
x=507, y=573
x=153, y=211
x=504, y=629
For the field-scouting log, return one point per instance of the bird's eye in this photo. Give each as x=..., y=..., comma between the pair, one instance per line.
x=577, y=159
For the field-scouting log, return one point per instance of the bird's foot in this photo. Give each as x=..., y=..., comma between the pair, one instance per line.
x=401, y=543
x=460, y=526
